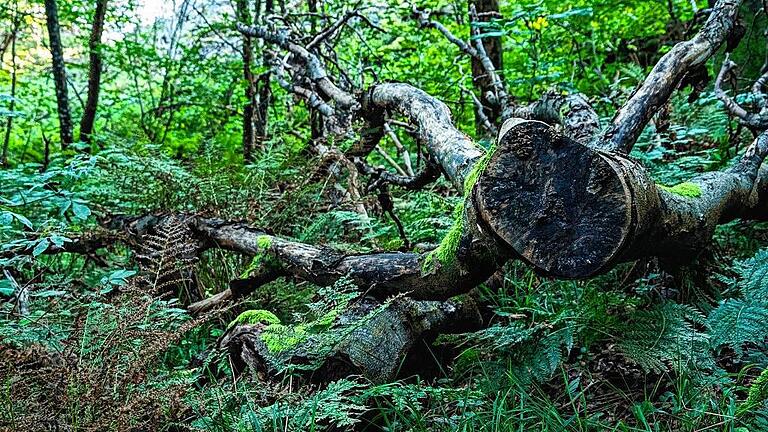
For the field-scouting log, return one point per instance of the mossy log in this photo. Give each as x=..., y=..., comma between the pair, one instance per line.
x=552, y=193
x=377, y=341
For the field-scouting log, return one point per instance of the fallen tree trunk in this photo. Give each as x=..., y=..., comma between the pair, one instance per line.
x=375, y=340
x=548, y=192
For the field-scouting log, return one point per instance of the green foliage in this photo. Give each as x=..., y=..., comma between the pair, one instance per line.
x=602, y=354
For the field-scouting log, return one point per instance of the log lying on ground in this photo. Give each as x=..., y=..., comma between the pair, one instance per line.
x=575, y=211
x=375, y=340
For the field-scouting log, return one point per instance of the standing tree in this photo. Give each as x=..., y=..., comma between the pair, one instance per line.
x=482, y=11
x=15, y=20
x=249, y=111
x=59, y=72
x=94, y=72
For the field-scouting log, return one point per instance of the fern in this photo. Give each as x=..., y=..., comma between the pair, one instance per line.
x=666, y=336
x=740, y=321
x=169, y=258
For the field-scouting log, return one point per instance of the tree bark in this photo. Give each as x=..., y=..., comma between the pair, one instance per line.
x=378, y=340
x=59, y=72
x=94, y=72
x=484, y=83
x=9, y=120
x=249, y=111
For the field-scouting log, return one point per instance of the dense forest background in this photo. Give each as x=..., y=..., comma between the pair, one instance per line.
x=167, y=110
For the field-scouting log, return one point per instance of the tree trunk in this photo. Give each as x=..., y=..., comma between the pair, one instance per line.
x=59, y=72
x=249, y=111
x=378, y=341
x=94, y=72
x=484, y=84
x=12, y=107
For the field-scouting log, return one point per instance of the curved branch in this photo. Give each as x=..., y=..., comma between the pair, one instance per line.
x=662, y=81
x=751, y=120
x=477, y=52
x=315, y=70
x=454, y=151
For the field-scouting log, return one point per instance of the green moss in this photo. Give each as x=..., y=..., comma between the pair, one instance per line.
x=255, y=316
x=262, y=257
x=279, y=338
x=263, y=242
x=477, y=169
x=686, y=189
x=445, y=253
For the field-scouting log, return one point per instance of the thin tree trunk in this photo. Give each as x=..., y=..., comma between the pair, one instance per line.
x=9, y=121
x=59, y=72
x=249, y=140
x=481, y=80
x=263, y=96
x=94, y=72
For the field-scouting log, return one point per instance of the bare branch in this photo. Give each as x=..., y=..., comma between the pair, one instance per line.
x=314, y=67
x=479, y=109
x=662, y=81
x=401, y=150
x=752, y=120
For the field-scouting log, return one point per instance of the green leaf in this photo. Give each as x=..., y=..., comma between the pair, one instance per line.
x=22, y=219
x=41, y=247
x=81, y=211
x=59, y=240
x=48, y=293
x=117, y=277
x=6, y=218
x=572, y=13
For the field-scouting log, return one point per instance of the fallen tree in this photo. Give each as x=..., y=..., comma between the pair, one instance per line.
x=553, y=191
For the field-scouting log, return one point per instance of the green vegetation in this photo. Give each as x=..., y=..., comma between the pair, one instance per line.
x=687, y=189
x=256, y=316
x=95, y=334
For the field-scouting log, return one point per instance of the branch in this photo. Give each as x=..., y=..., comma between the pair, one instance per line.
x=751, y=120
x=377, y=340
x=454, y=151
x=572, y=111
x=315, y=70
x=380, y=176
x=401, y=150
x=662, y=81
x=477, y=52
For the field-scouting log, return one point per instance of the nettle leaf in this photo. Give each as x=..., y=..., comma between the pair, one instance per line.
x=22, y=219
x=6, y=288
x=41, y=247
x=572, y=13
x=81, y=211
x=117, y=277
x=59, y=240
